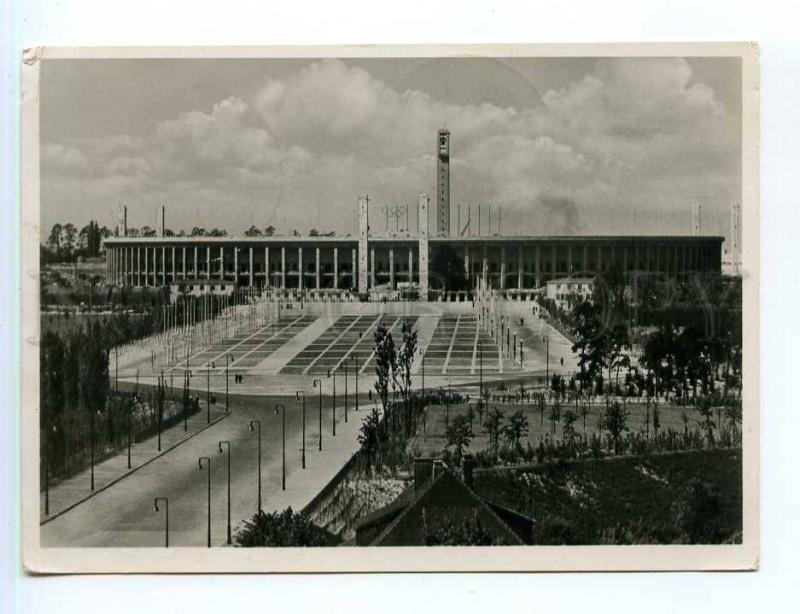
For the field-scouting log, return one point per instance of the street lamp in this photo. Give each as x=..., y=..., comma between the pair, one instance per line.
x=345, y=390
x=447, y=408
x=166, y=517
x=228, y=449
x=318, y=383
x=333, y=403
x=228, y=358
x=91, y=446
x=297, y=396
x=282, y=407
x=200, y=467
x=253, y=424
x=131, y=396
x=208, y=391
x=355, y=358
x=160, y=406
x=187, y=376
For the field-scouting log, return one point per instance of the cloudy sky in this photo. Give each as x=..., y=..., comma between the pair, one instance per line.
x=596, y=146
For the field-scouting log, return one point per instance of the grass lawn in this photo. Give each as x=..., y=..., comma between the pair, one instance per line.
x=681, y=497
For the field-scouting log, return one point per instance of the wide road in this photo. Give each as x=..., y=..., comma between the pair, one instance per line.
x=123, y=514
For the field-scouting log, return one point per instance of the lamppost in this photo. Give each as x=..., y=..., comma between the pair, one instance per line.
x=187, y=376
x=424, y=405
x=208, y=392
x=253, y=424
x=166, y=517
x=228, y=358
x=447, y=407
x=282, y=407
x=228, y=449
x=160, y=406
x=131, y=396
x=422, y=364
x=116, y=368
x=344, y=363
x=297, y=396
x=318, y=383
x=200, y=467
x=91, y=446
x=355, y=358
x=333, y=403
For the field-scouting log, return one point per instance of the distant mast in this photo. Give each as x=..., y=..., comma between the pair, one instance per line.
x=734, y=249
x=443, y=183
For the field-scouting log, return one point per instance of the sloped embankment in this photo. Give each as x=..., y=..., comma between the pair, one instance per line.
x=684, y=497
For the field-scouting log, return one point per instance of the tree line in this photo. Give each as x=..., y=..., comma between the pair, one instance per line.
x=65, y=242
x=687, y=334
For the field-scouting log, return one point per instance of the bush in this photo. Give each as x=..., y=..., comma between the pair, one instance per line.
x=283, y=529
x=555, y=531
x=460, y=532
x=698, y=513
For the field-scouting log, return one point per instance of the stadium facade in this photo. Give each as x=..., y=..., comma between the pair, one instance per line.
x=369, y=261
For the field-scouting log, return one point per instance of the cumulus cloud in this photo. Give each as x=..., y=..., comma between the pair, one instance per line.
x=631, y=135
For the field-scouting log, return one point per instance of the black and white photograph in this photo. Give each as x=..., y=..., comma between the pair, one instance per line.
x=489, y=306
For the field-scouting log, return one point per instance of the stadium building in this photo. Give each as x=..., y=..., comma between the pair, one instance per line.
x=368, y=262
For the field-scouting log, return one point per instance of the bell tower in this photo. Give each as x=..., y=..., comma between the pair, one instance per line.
x=443, y=183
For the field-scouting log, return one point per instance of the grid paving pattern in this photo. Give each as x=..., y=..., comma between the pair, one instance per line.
x=456, y=348
x=348, y=338
x=247, y=350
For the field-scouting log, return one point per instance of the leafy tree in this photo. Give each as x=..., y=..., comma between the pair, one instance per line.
x=493, y=425
x=369, y=438
x=568, y=429
x=656, y=421
x=402, y=373
x=253, y=231
x=269, y=231
x=584, y=410
x=516, y=430
x=706, y=420
x=198, y=232
x=54, y=239
x=459, y=434
x=615, y=422
x=313, y=232
x=734, y=415
x=590, y=336
x=282, y=529
x=555, y=416
x=385, y=363
x=70, y=233
x=685, y=420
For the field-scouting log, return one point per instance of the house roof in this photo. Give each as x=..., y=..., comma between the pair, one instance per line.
x=514, y=526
